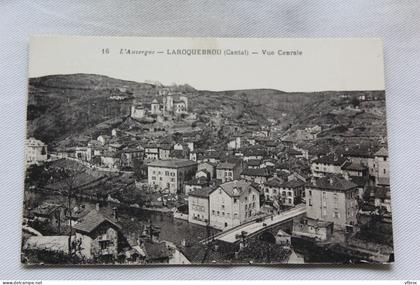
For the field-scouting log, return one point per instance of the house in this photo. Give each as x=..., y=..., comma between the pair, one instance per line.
x=212, y=156
x=354, y=169
x=253, y=153
x=164, y=151
x=151, y=152
x=234, y=143
x=203, y=173
x=111, y=159
x=198, y=206
x=195, y=184
x=259, y=175
x=102, y=234
x=103, y=139
x=292, y=192
x=271, y=188
x=209, y=167
x=328, y=164
x=129, y=155
x=383, y=198
x=283, y=239
x=233, y=203
x=332, y=199
x=170, y=174
x=228, y=171
x=313, y=229
x=254, y=163
x=36, y=151
x=382, y=167
x=362, y=154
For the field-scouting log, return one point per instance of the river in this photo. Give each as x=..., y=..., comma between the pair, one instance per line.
x=132, y=219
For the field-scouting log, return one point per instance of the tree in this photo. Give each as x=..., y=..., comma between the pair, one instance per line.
x=67, y=183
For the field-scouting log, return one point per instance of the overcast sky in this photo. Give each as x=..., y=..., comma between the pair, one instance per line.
x=325, y=64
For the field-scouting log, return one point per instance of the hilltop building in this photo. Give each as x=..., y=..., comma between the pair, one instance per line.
x=169, y=104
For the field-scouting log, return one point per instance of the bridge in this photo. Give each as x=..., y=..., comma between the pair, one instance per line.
x=258, y=226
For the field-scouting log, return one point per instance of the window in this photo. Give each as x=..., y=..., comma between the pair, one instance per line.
x=310, y=193
x=310, y=202
x=223, y=207
x=336, y=215
x=218, y=213
x=213, y=212
x=235, y=200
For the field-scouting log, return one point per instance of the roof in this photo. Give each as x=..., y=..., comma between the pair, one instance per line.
x=292, y=151
x=353, y=166
x=358, y=180
x=360, y=151
x=275, y=182
x=34, y=142
x=254, y=162
x=264, y=172
x=235, y=188
x=334, y=183
x=382, y=152
x=172, y=163
x=92, y=220
x=46, y=209
x=293, y=184
x=197, y=181
x=226, y=165
x=331, y=159
x=254, y=152
x=203, y=192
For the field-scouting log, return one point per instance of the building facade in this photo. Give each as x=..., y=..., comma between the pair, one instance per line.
x=332, y=199
x=198, y=206
x=227, y=171
x=233, y=203
x=36, y=151
x=169, y=175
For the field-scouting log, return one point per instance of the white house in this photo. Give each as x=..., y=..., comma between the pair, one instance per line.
x=233, y=203
x=36, y=151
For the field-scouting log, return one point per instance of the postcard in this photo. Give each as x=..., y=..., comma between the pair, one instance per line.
x=210, y=151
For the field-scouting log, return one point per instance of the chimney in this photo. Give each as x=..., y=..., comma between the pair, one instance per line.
x=97, y=206
x=115, y=213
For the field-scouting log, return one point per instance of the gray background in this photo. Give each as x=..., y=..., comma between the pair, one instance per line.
x=397, y=22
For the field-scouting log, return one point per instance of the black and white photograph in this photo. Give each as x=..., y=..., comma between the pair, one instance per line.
x=206, y=151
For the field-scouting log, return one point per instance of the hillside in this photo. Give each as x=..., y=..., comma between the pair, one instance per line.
x=62, y=105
